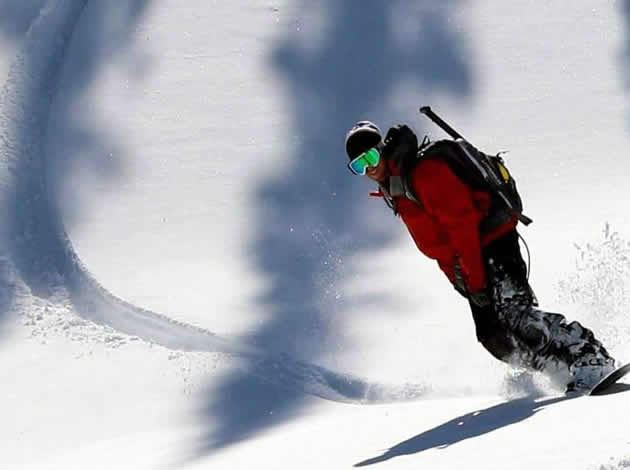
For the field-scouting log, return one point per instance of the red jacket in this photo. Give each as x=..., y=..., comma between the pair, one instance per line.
x=446, y=226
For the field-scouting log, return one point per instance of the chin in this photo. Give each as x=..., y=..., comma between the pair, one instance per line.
x=379, y=176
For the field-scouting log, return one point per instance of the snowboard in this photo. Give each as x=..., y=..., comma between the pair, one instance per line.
x=610, y=380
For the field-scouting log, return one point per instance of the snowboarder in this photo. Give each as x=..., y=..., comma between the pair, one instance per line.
x=477, y=247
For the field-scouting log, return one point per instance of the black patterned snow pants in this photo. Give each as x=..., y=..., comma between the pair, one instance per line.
x=513, y=329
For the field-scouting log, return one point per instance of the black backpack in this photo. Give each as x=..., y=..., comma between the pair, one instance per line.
x=477, y=169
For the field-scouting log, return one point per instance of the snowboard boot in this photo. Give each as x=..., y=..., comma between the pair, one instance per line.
x=589, y=370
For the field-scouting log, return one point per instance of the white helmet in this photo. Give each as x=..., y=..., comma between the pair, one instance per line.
x=363, y=136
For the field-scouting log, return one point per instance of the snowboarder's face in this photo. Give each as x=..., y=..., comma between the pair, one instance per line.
x=379, y=172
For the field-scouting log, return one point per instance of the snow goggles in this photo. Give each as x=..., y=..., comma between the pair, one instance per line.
x=359, y=165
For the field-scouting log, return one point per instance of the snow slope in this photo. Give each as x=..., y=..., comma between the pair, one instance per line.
x=191, y=155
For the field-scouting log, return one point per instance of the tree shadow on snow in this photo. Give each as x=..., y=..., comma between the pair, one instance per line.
x=44, y=109
x=624, y=56
x=15, y=19
x=32, y=245
x=313, y=213
x=17, y=15
x=624, y=9
x=467, y=426
x=253, y=405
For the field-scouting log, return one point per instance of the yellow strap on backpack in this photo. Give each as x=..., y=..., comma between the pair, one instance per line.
x=504, y=172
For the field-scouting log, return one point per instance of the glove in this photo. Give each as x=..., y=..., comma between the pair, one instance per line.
x=480, y=299
x=399, y=142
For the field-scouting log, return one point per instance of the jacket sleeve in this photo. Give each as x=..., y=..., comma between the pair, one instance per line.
x=449, y=200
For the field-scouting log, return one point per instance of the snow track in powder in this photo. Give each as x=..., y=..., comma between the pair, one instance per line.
x=34, y=240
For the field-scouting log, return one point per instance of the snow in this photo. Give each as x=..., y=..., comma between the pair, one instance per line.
x=190, y=279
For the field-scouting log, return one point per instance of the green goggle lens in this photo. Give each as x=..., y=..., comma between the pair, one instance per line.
x=359, y=165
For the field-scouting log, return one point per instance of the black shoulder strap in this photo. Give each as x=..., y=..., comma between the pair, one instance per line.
x=426, y=150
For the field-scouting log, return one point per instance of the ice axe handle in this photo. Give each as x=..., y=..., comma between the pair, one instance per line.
x=427, y=111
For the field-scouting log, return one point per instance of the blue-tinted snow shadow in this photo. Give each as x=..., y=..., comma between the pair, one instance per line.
x=31, y=219
x=16, y=16
x=624, y=56
x=467, y=426
x=252, y=405
x=313, y=212
x=84, y=142
x=15, y=19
